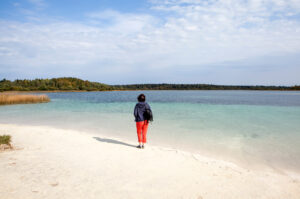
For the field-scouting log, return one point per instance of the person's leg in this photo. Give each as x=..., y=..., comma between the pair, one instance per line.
x=139, y=128
x=144, y=131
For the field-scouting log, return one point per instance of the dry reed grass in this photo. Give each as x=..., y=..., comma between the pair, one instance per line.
x=22, y=99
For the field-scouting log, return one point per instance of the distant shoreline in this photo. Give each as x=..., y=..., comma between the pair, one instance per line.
x=71, y=84
x=82, y=91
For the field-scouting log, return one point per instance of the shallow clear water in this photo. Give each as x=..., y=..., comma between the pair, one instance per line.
x=250, y=127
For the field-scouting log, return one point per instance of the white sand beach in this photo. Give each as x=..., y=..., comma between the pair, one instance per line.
x=56, y=163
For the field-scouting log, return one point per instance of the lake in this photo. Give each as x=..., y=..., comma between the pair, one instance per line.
x=253, y=128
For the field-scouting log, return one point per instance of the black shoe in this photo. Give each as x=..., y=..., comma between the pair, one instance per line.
x=143, y=146
x=139, y=146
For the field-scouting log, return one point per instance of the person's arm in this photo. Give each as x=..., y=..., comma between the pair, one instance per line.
x=135, y=112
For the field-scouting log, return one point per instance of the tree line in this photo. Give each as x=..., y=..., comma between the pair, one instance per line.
x=63, y=84
x=75, y=84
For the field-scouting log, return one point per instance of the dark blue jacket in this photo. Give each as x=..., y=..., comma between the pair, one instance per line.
x=139, y=111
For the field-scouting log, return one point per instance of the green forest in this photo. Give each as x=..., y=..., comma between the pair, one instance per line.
x=63, y=84
x=75, y=84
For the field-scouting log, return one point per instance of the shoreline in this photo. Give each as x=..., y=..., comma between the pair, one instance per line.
x=57, y=163
x=81, y=91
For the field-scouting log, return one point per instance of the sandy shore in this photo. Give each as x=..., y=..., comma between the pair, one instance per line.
x=56, y=163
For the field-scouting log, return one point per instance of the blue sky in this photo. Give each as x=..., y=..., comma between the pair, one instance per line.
x=241, y=42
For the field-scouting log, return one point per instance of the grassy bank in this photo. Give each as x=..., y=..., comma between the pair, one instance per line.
x=22, y=99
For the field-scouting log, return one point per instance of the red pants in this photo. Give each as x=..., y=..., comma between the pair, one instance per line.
x=142, y=128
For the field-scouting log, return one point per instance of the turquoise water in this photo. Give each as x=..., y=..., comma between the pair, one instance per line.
x=254, y=128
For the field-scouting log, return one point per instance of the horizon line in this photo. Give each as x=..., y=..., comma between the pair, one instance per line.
x=210, y=84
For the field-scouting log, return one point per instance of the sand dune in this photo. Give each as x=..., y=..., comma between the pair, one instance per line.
x=56, y=163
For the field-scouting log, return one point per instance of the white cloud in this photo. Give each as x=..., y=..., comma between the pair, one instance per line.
x=123, y=23
x=193, y=35
x=39, y=4
x=16, y=4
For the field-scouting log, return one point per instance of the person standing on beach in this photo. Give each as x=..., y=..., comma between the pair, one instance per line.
x=142, y=114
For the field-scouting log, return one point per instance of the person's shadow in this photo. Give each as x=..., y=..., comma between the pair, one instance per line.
x=113, y=141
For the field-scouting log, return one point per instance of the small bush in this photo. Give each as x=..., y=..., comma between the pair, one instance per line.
x=5, y=139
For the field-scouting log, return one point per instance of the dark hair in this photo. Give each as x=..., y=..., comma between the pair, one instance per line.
x=141, y=98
